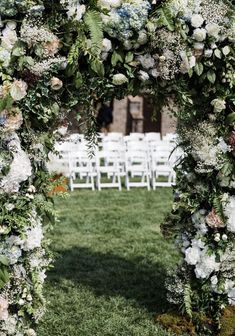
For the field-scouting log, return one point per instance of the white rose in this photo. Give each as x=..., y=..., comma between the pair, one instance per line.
x=224, y=237
x=106, y=45
x=219, y=105
x=18, y=89
x=217, y=237
x=30, y=332
x=56, y=83
x=199, y=34
x=213, y=30
x=197, y=20
x=119, y=79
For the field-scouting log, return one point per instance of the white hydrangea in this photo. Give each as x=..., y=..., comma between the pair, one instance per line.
x=109, y=3
x=143, y=75
x=188, y=62
x=192, y=255
x=18, y=89
x=9, y=36
x=206, y=265
x=34, y=238
x=147, y=61
x=74, y=9
x=142, y=38
x=20, y=168
x=119, y=79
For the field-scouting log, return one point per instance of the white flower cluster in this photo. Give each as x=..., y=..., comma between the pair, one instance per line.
x=75, y=11
x=8, y=39
x=124, y=19
x=207, y=149
x=45, y=43
x=20, y=168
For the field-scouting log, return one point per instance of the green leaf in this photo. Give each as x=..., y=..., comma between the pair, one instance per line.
x=129, y=57
x=116, y=57
x=4, y=260
x=78, y=80
x=230, y=119
x=4, y=277
x=165, y=18
x=211, y=76
x=199, y=68
x=2, y=104
x=94, y=24
x=98, y=67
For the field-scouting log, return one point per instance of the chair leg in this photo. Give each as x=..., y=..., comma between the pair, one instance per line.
x=71, y=183
x=127, y=181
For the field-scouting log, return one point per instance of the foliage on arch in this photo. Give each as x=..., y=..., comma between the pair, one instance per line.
x=56, y=56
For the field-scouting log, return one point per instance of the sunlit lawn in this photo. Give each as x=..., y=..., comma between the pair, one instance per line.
x=111, y=264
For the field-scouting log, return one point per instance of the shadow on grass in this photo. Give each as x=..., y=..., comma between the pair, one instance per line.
x=111, y=275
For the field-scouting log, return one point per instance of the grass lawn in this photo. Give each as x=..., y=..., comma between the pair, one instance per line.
x=111, y=264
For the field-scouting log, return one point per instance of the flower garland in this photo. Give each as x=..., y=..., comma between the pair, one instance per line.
x=57, y=56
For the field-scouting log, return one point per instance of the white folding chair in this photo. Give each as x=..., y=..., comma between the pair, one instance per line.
x=136, y=165
x=162, y=165
x=152, y=136
x=108, y=167
x=171, y=137
x=81, y=167
x=76, y=137
x=136, y=136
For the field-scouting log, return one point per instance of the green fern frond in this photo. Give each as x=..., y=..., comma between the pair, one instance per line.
x=94, y=25
x=218, y=205
x=188, y=300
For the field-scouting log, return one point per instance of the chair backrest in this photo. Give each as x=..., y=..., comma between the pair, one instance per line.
x=136, y=136
x=152, y=136
x=76, y=137
x=171, y=137
x=137, y=146
x=113, y=136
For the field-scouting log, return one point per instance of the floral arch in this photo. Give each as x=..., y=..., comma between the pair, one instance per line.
x=57, y=55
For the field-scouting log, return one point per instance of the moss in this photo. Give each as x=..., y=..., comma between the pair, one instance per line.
x=176, y=324
x=228, y=322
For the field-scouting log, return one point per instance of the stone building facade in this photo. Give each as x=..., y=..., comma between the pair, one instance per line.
x=135, y=114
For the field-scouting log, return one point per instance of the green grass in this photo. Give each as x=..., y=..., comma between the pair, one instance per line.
x=111, y=265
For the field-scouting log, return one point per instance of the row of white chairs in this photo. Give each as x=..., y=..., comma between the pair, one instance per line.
x=139, y=162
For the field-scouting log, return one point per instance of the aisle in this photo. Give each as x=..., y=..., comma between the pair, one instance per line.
x=109, y=275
